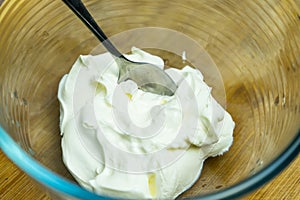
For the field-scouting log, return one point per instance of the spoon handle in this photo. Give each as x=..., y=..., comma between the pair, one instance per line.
x=80, y=10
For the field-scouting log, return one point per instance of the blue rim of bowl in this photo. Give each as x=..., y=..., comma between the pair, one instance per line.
x=52, y=180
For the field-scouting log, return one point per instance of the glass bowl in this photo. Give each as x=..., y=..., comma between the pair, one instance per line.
x=253, y=43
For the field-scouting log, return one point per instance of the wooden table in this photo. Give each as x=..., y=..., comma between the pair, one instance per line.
x=14, y=184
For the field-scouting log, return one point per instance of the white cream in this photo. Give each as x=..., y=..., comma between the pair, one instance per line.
x=141, y=168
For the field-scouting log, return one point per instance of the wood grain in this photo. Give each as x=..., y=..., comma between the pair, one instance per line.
x=15, y=184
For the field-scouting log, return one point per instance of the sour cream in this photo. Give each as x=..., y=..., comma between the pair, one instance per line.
x=122, y=142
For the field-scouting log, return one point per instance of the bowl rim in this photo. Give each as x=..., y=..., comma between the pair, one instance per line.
x=57, y=183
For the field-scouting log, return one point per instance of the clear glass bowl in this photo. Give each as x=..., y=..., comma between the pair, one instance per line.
x=254, y=43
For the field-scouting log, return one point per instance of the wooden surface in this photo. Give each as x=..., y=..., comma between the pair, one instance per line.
x=14, y=184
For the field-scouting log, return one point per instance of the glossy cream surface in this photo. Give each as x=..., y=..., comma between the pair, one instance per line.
x=120, y=141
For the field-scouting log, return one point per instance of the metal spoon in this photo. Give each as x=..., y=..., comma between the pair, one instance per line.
x=148, y=77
